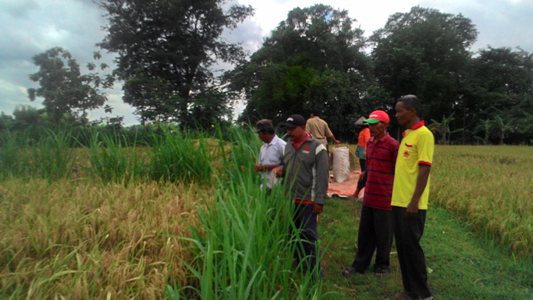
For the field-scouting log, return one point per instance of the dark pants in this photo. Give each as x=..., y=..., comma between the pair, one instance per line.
x=408, y=232
x=305, y=221
x=362, y=163
x=375, y=234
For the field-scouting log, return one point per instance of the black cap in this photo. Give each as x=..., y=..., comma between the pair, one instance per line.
x=294, y=121
x=264, y=125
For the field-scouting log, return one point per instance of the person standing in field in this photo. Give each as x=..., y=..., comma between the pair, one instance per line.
x=362, y=140
x=305, y=169
x=319, y=130
x=270, y=154
x=375, y=225
x=410, y=195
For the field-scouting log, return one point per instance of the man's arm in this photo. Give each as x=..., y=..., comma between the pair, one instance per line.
x=330, y=135
x=265, y=168
x=421, y=182
x=321, y=177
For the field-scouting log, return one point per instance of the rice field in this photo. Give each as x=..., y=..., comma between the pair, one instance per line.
x=181, y=219
x=491, y=188
x=184, y=218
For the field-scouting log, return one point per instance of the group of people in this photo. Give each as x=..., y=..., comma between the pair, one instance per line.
x=395, y=176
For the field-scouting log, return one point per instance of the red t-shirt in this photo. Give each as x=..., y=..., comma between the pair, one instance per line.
x=380, y=162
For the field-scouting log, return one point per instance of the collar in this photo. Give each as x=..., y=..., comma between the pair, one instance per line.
x=415, y=126
x=273, y=140
x=299, y=144
x=381, y=139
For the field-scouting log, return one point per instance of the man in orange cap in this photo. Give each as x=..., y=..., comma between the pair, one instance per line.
x=375, y=225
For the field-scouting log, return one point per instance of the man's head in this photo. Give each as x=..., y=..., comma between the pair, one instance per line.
x=295, y=125
x=378, y=121
x=407, y=109
x=265, y=130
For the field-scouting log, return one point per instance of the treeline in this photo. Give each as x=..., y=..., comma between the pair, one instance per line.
x=316, y=61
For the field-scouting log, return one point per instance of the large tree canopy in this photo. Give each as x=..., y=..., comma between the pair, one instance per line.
x=165, y=49
x=424, y=52
x=312, y=62
x=499, y=94
x=64, y=89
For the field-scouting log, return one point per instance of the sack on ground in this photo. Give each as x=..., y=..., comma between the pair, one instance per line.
x=341, y=164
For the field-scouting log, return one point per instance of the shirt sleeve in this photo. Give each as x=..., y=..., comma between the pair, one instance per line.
x=426, y=147
x=366, y=136
x=328, y=131
x=322, y=174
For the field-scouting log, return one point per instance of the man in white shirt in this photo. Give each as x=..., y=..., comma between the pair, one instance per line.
x=271, y=153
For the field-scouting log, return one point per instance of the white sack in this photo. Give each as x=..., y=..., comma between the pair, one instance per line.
x=341, y=164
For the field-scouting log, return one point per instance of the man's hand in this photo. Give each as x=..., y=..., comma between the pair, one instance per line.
x=278, y=171
x=258, y=167
x=356, y=193
x=317, y=208
x=337, y=141
x=412, y=209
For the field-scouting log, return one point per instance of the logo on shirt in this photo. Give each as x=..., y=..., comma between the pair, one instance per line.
x=406, y=153
x=306, y=148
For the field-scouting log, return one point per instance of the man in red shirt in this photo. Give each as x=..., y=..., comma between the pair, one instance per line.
x=375, y=226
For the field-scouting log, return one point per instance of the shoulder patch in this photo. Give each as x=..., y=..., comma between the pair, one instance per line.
x=320, y=148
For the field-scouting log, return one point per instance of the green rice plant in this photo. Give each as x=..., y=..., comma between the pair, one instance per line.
x=248, y=239
x=111, y=162
x=53, y=156
x=247, y=249
x=240, y=156
x=13, y=159
x=178, y=158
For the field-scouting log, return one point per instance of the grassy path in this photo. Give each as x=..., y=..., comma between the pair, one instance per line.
x=463, y=265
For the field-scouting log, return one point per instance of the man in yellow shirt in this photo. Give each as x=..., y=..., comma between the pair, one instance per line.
x=410, y=195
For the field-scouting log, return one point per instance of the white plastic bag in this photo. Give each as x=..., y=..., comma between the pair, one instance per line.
x=341, y=164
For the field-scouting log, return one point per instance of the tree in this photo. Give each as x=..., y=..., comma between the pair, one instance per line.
x=312, y=62
x=64, y=89
x=443, y=128
x=165, y=49
x=424, y=52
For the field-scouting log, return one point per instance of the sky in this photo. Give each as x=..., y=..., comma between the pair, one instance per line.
x=29, y=27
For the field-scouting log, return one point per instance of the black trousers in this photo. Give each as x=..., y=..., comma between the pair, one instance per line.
x=408, y=232
x=362, y=163
x=306, y=223
x=375, y=234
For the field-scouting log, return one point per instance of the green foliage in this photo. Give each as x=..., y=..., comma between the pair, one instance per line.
x=313, y=62
x=165, y=49
x=442, y=128
x=64, y=89
x=244, y=249
x=12, y=159
x=178, y=158
x=53, y=157
x=424, y=52
x=111, y=162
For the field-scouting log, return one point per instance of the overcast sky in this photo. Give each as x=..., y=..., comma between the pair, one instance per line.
x=29, y=27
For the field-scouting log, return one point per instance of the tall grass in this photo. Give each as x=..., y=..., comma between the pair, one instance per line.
x=246, y=247
x=12, y=159
x=110, y=160
x=178, y=158
x=77, y=239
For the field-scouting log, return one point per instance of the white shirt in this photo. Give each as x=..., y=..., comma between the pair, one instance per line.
x=271, y=154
